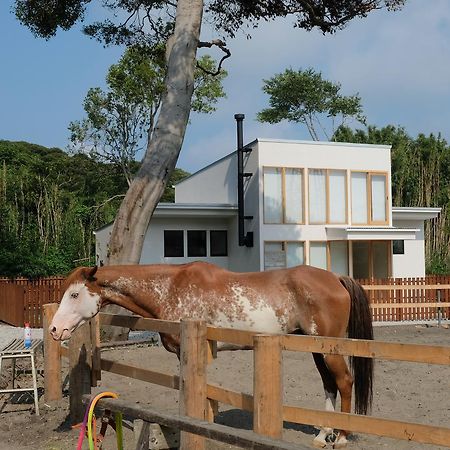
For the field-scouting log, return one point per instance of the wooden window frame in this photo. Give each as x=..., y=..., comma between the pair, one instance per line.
x=283, y=247
x=283, y=197
x=327, y=197
x=328, y=252
x=388, y=255
x=369, y=175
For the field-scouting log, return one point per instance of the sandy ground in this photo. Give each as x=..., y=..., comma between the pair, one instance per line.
x=402, y=391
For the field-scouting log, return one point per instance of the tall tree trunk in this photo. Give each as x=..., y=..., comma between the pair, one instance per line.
x=130, y=226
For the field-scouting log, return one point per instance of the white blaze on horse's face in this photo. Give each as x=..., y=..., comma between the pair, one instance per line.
x=77, y=305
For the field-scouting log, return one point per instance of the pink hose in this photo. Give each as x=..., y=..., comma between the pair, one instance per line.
x=83, y=428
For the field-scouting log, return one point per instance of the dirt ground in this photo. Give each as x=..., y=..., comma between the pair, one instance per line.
x=402, y=391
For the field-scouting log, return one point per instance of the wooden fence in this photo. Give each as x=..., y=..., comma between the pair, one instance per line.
x=409, y=299
x=21, y=299
x=392, y=299
x=198, y=398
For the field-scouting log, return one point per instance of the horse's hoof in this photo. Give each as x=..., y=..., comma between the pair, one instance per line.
x=341, y=442
x=319, y=442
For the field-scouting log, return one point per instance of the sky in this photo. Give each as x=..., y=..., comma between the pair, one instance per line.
x=398, y=62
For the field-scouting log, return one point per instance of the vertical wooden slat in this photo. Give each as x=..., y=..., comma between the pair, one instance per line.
x=52, y=360
x=267, y=386
x=193, y=363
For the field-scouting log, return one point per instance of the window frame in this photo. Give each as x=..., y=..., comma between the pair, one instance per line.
x=283, y=196
x=328, y=252
x=284, y=245
x=183, y=242
x=369, y=175
x=370, y=257
x=327, y=197
x=209, y=242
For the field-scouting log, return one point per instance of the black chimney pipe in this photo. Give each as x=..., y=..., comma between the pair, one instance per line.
x=244, y=239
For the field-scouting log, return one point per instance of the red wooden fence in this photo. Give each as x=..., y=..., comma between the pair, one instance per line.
x=21, y=299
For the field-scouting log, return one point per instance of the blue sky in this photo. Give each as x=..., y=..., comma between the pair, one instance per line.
x=398, y=62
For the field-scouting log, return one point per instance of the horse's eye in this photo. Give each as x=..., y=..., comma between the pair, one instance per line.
x=74, y=294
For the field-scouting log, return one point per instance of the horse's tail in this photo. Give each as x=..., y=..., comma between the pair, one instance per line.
x=360, y=327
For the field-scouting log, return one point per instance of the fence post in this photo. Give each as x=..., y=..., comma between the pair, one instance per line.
x=439, y=308
x=193, y=362
x=267, y=386
x=52, y=357
x=80, y=365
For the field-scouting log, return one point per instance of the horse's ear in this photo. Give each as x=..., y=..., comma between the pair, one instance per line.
x=90, y=272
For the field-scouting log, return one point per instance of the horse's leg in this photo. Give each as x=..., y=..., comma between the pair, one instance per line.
x=330, y=388
x=338, y=367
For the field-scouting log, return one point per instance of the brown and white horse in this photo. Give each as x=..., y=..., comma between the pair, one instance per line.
x=302, y=300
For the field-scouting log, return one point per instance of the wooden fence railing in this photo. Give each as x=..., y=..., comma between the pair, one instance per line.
x=198, y=397
x=392, y=299
x=409, y=299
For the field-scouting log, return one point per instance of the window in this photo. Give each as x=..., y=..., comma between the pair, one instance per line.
x=371, y=259
x=317, y=196
x=279, y=255
x=283, y=195
x=318, y=255
x=196, y=243
x=327, y=196
x=173, y=243
x=293, y=182
x=273, y=197
x=338, y=257
x=218, y=244
x=398, y=247
x=331, y=255
x=369, y=198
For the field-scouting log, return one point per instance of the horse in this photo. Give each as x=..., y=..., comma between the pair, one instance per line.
x=300, y=300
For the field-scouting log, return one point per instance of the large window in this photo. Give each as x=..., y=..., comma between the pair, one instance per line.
x=283, y=195
x=331, y=255
x=327, y=196
x=371, y=259
x=279, y=255
x=196, y=243
x=369, y=198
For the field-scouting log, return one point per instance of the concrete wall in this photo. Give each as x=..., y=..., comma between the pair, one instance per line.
x=412, y=263
x=215, y=184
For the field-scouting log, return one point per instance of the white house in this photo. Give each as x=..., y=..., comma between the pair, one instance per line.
x=326, y=204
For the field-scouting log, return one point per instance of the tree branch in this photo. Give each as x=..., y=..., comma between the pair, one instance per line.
x=222, y=46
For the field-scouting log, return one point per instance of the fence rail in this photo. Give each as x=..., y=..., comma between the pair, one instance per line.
x=392, y=300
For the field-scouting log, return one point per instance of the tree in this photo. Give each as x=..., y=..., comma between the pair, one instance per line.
x=43, y=18
x=303, y=96
x=122, y=120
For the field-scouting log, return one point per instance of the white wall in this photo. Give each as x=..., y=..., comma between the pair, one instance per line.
x=215, y=184
x=101, y=244
x=412, y=263
x=153, y=249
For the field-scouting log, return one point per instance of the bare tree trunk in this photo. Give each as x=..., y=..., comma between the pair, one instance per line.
x=162, y=152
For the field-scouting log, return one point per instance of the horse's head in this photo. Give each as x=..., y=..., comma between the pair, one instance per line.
x=79, y=303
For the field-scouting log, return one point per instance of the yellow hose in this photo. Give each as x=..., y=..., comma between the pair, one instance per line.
x=119, y=428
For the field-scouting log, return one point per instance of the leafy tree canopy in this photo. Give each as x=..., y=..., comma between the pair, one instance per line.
x=121, y=119
x=136, y=17
x=303, y=96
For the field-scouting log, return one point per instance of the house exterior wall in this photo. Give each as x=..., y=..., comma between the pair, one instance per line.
x=216, y=184
x=412, y=262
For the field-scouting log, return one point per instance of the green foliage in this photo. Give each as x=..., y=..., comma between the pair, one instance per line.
x=121, y=120
x=43, y=17
x=420, y=177
x=50, y=204
x=303, y=96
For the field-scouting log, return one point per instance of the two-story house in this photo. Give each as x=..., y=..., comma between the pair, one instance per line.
x=326, y=204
